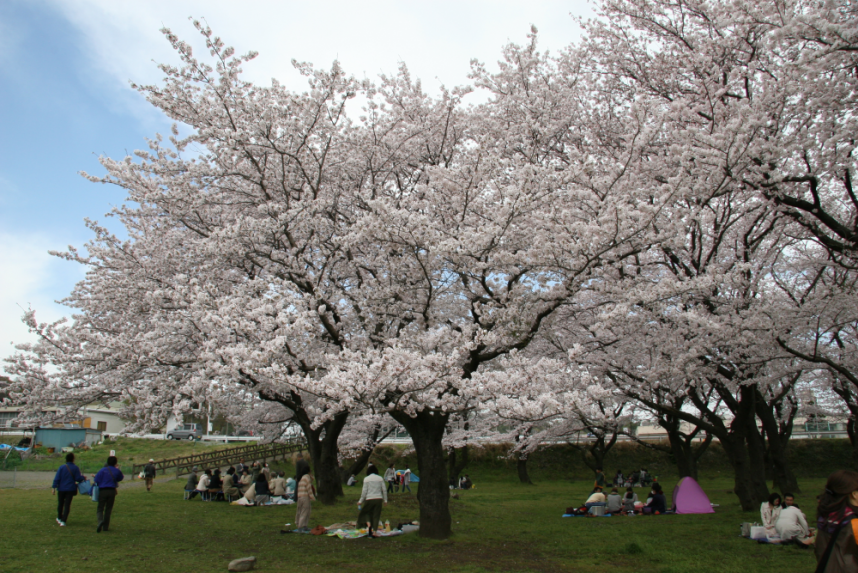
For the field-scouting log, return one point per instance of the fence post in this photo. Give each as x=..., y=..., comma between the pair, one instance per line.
x=15, y=477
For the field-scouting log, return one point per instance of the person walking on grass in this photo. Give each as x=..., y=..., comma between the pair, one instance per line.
x=600, y=480
x=65, y=488
x=406, y=480
x=149, y=474
x=306, y=494
x=390, y=478
x=371, y=499
x=107, y=479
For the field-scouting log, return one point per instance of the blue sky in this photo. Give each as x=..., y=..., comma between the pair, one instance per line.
x=65, y=99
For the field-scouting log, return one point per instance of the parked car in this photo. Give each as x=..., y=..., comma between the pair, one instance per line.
x=186, y=432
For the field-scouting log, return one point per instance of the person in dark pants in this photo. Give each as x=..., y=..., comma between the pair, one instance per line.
x=300, y=466
x=65, y=488
x=107, y=479
x=371, y=499
x=149, y=474
x=191, y=485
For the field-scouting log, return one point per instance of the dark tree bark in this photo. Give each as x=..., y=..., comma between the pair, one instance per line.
x=852, y=432
x=324, y=459
x=778, y=429
x=521, y=461
x=321, y=441
x=457, y=460
x=433, y=492
x=594, y=452
x=362, y=460
x=521, y=466
x=846, y=391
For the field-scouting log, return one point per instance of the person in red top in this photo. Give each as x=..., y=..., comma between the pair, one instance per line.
x=837, y=524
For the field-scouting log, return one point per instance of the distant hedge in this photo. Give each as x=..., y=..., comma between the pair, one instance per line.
x=809, y=458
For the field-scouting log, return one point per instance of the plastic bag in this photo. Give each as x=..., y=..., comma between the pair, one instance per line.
x=84, y=487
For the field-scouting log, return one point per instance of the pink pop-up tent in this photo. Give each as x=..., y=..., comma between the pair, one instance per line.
x=689, y=497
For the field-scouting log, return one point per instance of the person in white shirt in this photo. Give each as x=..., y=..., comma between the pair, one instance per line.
x=406, y=480
x=596, y=499
x=372, y=496
x=769, y=512
x=792, y=524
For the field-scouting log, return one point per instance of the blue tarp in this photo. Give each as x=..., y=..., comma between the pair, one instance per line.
x=7, y=446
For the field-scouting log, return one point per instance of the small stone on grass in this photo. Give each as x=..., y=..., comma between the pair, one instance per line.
x=243, y=564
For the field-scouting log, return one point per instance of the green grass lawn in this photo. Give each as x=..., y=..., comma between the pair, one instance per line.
x=500, y=526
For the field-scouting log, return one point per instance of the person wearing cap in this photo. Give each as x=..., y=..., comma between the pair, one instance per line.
x=149, y=474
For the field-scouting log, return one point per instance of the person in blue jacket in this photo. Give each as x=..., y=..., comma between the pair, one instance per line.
x=65, y=488
x=107, y=479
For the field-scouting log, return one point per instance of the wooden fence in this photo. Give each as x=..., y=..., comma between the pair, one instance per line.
x=225, y=457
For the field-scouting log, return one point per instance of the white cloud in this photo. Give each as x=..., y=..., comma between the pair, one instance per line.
x=435, y=39
x=30, y=278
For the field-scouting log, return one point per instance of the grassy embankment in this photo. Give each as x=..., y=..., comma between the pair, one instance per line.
x=129, y=451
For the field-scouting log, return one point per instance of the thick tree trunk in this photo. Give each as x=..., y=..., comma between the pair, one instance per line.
x=683, y=455
x=457, y=460
x=363, y=459
x=852, y=432
x=322, y=445
x=433, y=492
x=521, y=465
x=757, y=464
x=777, y=440
x=743, y=487
x=357, y=466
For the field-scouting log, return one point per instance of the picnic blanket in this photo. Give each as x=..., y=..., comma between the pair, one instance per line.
x=274, y=501
x=356, y=533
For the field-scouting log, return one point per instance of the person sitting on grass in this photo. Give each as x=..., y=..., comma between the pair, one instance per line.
x=245, y=481
x=466, y=482
x=203, y=484
x=216, y=485
x=769, y=512
x=791, y=526
x=191, y=484
x=596, y=499
x=351, y=481
x=278, y=484
x=263, y=492
x=229, y=488
x=629, y=501
x=789, y=500
x=658, y=503
x=291, y=484
x=614, y=502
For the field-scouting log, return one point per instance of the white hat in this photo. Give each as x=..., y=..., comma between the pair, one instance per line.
x=151, y=460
